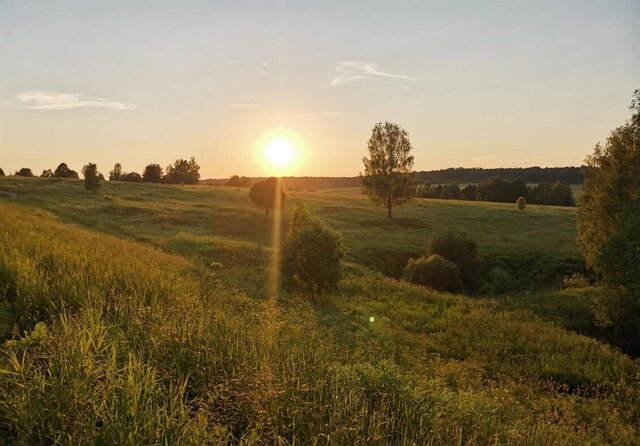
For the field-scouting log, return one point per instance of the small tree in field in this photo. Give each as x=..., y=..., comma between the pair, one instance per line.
x=91, y=176
x=521, y=202
x=24, y=172
x=152, y=173
x=116, y=173
x=267, y=194
x=47, y=173
x=388, y=179
x=312, y=254
x=1, y=173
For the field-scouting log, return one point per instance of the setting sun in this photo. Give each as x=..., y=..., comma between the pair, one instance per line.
x=280, y=153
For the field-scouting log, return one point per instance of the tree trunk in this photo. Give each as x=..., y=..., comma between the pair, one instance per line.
x=389, y=208
x=267, y=209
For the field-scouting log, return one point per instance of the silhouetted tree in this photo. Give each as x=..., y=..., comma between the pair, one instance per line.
x=237, y=181
x=91, y=179
x=116, y=173
x=152, y=173
x=312, y=254
x=24, y=172
x=267, y=194
x=450, y=192
x=131, y=177
x=63, y=171
x=183, y=172
x=1, y=173
x=47, y=173
x=469, y=192
x=388, y=178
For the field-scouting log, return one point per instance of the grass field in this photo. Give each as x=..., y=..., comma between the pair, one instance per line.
x=158, y=329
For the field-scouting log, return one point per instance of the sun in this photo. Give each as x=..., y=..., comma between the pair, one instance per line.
x=280, y=153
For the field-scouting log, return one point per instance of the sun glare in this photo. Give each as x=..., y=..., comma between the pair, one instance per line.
x=280, y=153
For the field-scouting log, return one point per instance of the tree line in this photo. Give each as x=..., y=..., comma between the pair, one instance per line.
x=500, y=190
x=180, y=172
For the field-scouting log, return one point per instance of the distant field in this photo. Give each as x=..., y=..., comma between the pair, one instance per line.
x=159, y=330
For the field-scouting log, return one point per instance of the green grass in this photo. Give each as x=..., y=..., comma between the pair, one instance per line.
x=158, y=330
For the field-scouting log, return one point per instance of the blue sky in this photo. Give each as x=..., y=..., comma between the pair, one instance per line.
x=475, y=83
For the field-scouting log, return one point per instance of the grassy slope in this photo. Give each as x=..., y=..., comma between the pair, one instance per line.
x=431, y=366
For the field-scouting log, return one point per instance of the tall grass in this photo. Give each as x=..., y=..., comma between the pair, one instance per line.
x=120, y=343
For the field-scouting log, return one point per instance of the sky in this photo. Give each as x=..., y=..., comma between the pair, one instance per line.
x=474, y=83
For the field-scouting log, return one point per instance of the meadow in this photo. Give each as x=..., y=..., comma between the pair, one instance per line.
x=138, y=314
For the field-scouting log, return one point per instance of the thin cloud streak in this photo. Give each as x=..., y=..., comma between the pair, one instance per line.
x=43, y=100
x=245, y=105
x=310, y=114
x=353, y=70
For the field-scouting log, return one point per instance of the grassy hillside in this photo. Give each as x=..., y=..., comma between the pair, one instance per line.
x=158, y=331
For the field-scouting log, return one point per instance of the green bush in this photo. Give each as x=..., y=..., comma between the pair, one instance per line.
x=312, y=254
x=499, y=281
x=434, y=271
x=463, y=252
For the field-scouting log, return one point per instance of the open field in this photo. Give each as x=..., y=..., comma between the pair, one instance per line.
x=159, y=329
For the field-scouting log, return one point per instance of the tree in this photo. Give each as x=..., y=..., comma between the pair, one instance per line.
x=131, y=177
x=608, y=224
x=612, y=181
x=47, y=173
x=388, y=178
x=312, y=254
x=152, y=173
x=469, y=192
x=1, y=173
x=24, y=172
x=63, y=171
x=183, y=172
x=237, y=181
x=267, y=194
x=521, y=202
x=451, y=192
x=116, y=173
x=91, y=176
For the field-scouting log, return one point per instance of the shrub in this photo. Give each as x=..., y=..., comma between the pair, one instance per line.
x=131, y=177
x=267, y=194
x=91, y=176
x=47, y=173
x=312, y=254
x=522, y=203
x=1, y=173
x=463, y=252
x=498, y=281
x=24, y=172
x=63, y=171
x=434, y=271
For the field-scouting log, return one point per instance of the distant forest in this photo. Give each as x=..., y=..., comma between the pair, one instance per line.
x=459, y=175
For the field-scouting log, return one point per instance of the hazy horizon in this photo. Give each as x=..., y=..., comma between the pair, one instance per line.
x=475, y=84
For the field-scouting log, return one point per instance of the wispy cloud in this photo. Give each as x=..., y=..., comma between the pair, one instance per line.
x=310, y=114
x=353, y=70
x=263, y=70
x=245, y=105
x=249, y=102
x=43, y=100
